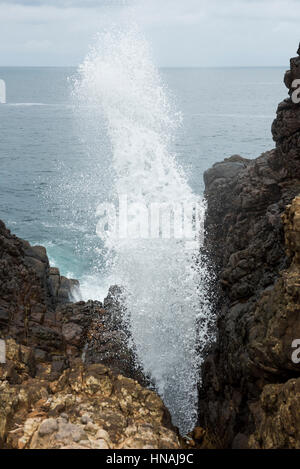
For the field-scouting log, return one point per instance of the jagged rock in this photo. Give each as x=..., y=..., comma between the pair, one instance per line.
x=88, y=406
x=36, y=310
x=27, y=295
x=48, y=397
x=257, y=288
x=108, y=339
x=278, y=417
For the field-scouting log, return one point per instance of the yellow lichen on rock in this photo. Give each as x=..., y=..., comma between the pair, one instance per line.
x=87, y=407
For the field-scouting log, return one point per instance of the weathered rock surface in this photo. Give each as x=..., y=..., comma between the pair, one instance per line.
x=87, y=407
x=29, y=292
x=250, y=383
x=50, y=398
x=108, y=339
x=36, y=310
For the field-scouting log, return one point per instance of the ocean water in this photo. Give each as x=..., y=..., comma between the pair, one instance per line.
x=71, y=140
x=50, y=173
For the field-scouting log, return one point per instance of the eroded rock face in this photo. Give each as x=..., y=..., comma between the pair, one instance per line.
x=29, y=291
x=70, y=378
x=277, y=416
x=36, y=310
x=108, y=339
x=87, y=407
x=257, y=287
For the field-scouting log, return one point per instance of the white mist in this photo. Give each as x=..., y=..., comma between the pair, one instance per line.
x=165, y=288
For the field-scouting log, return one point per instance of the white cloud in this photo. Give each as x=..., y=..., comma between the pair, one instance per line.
x=68, y=3
x=182, y=32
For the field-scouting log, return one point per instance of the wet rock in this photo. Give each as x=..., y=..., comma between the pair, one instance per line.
x=28, y=288
x=253, y=244
x=48, y=397
x=224, y=170
x=35, y=310
x=108, y=339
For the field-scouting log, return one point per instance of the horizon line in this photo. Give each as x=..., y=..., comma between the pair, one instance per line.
x=160, y=67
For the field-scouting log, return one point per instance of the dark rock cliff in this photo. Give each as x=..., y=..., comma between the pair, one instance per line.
x=70, y=379
x=36, y=310
x=250, y=391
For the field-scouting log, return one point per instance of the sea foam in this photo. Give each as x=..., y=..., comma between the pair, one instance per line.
x=164, y=278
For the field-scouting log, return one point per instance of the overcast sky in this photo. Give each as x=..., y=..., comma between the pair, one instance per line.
x=182, y=32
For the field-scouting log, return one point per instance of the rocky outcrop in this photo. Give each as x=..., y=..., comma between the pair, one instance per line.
x=29, y=291
x=26, y=277
x=70, y=378
x=108, y=339
x=250, y=383
x=277, y=325
x=87, y=407
x=36, y=310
